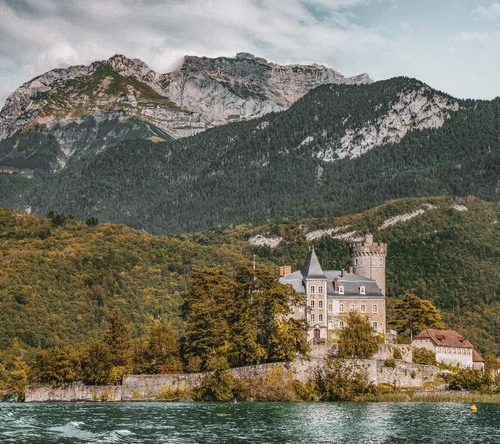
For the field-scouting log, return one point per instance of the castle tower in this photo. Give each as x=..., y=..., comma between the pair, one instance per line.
x=368, y=260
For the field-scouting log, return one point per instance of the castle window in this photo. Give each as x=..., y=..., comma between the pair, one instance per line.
x=320, y=290
x=341, y=308
x=375, y=325
x=320, y=304
x=341, y=289
x=330, y=325
x=362, y=290
x=330, y=307
x=341, y=324
x=312, y=304
x=363, y=308
x=375, y=308
x=320, y=318
x=351, y=307
x=311, y=289
x=355, y=262
x=312, y=317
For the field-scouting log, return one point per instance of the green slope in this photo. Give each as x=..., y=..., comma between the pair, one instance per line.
x=261, y=170
x=57, y=283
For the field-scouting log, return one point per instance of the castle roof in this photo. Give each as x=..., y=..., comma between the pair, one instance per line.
x=312, y=268
x=445, y=338
x=350, y=281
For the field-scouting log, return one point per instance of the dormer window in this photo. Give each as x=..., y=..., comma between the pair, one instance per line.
x=341, y=289
x=362, y=290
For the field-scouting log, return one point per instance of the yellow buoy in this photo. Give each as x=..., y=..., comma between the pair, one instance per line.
x=473, y=408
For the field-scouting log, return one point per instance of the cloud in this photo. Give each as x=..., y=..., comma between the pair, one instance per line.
x=483, y=37
x=351, y=36
x=47, y=34
x=491, y=12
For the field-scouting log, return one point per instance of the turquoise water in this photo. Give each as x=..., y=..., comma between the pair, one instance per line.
x=249, y=423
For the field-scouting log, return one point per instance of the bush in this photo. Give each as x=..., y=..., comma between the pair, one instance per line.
x=396, y=353
x=424, y=356
x=343, y=380
x=466, y=379
x=390, y=363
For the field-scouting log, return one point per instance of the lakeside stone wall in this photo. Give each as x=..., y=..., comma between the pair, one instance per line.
x=154, y=387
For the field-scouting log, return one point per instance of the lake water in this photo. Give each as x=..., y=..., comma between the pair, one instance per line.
x=249, y=423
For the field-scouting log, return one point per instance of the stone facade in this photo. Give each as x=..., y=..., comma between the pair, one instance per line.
x=332, y=294
x=153, y=387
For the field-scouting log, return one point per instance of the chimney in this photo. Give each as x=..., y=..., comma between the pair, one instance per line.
x=285, y=269
x=336, y=285
x=350, y=270
x=342, y=273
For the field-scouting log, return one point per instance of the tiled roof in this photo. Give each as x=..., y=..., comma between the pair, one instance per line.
x=445, y=338
x=476, y=357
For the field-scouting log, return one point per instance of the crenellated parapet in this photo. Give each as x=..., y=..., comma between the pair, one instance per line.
x=368, y=260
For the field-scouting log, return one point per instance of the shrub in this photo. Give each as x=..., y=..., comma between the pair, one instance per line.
x=396, y=353
x=423, y=356
x=390, y=363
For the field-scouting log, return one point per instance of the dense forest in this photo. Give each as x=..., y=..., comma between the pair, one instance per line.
x=262, y=170
x=63, y=281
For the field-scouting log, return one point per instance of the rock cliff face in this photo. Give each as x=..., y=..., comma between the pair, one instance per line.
x=202, y=93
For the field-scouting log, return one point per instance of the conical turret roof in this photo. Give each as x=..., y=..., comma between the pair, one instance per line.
x=312, y=269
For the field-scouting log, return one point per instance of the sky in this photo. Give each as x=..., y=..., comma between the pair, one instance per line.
x=452, y=45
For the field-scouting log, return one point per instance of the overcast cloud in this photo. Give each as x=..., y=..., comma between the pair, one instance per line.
x=453, y=45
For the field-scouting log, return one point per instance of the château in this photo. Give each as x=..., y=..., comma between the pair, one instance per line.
x=331, y=294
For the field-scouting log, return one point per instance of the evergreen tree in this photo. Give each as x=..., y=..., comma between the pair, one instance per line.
x=97, y=363
x=118, y=339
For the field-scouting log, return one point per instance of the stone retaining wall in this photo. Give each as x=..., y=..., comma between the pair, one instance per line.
x=154, y=387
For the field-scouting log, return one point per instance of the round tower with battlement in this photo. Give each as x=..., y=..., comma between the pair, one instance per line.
x=368, y=260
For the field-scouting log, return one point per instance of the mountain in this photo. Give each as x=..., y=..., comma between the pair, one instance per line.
x=339, y=149
x=83, y=109
x=58, y=280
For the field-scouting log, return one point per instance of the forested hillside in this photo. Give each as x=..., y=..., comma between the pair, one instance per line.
x=289, y=165
x=60, y=278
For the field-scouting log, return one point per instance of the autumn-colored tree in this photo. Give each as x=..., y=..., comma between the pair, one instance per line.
x=56, y=366
x=97, y=364
x=241, y=320
x=357, y=339
x=412, y=314
x=162, y=350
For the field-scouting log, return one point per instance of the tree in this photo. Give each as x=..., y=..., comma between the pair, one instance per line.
x=424, y=356
x=56, y=366
x=207, y=311
x=357, y=339
x=412, y=314
x=97, y=363
x=118, y=339
x=162, y=349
